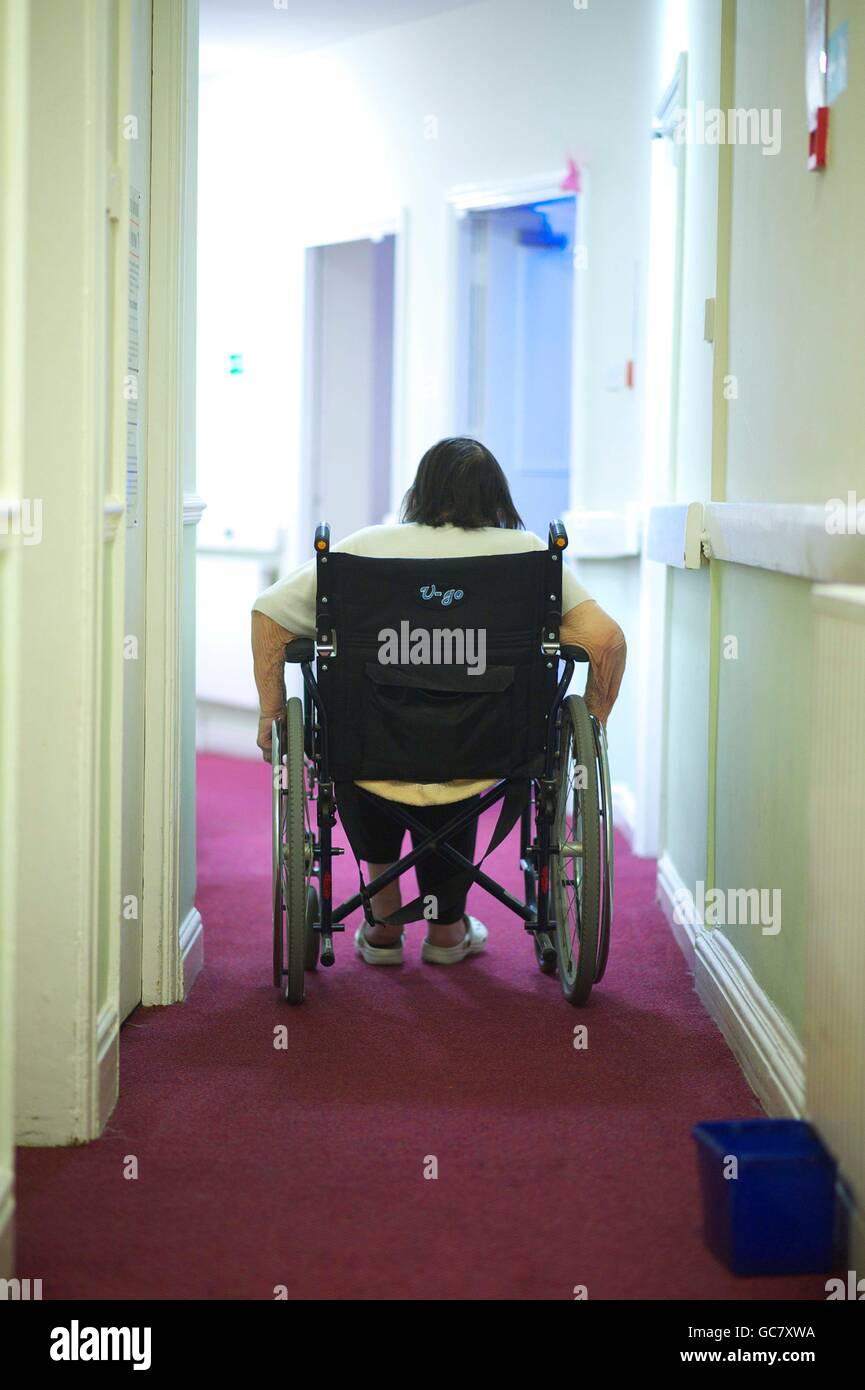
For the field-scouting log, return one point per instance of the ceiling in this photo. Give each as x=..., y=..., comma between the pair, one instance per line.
x=233, y=30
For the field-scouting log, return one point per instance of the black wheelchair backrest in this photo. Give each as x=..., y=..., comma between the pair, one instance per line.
x=436, y=669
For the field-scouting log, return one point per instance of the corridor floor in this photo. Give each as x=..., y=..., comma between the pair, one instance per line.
x=261, y=1168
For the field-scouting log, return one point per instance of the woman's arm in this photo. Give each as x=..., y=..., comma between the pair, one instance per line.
x=268, y=658
x=586, y=625
x=589, y=627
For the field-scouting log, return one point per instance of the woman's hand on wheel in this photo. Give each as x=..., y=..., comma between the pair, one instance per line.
x=265, y=734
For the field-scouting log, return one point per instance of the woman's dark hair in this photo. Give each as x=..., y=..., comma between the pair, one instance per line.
x=460, y=482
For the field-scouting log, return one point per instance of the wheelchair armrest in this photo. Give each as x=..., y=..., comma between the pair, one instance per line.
x=301, y=649
x=569, y=653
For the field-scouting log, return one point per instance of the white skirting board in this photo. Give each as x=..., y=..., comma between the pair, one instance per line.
x=759, y=1036
x=191, y=948
x=7, y=1224
x=107, y=1061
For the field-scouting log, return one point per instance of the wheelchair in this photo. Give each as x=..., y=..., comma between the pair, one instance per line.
x=513, y=723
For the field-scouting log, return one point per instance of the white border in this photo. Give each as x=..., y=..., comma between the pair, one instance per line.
x=191, y=948
x=7, y=1223
x=785, y=537
x=674, y=535
x=510, y=193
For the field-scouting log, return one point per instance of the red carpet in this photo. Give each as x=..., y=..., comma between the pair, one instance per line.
x=304, y=1167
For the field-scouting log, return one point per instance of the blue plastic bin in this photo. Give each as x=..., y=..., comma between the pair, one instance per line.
x=777, y=1216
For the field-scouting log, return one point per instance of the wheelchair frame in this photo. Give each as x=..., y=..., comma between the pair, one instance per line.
x=305, y=921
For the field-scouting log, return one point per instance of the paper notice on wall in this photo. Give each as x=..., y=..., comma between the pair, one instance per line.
x=815, y=58
x=130, y=385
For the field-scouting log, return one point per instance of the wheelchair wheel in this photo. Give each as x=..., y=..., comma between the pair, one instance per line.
x=575, y=869
x=277, y=746
x=292, y=857
x=607, y=847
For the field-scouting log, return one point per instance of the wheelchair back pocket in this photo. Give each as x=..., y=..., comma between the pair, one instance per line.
x=433, y=723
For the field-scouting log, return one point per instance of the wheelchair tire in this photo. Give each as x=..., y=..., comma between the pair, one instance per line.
x=575, y=868
x=291, y=866
x=277, y=748
x=607, y=842
x=312, y=944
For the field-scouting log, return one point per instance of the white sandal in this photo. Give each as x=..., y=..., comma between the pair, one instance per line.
x=472, y=944
x=378, y=955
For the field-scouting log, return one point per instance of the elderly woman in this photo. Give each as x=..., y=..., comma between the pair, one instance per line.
x=458, y=505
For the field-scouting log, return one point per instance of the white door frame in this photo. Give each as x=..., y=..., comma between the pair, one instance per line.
x=512, y=193
x=652, y=687
x=171, y=414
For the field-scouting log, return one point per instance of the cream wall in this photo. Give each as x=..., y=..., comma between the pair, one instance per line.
x=13, y=176
x=686, y=745
x=739, y=730
x=764, y=741
x=796, y=434
x=797, y=294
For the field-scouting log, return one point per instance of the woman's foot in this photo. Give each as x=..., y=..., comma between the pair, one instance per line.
x=379, y=944
x=467, y=938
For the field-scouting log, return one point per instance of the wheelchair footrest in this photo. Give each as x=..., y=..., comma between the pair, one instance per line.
x=327, y=956
x=546, y=947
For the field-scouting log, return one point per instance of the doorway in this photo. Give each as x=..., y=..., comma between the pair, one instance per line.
x=515, y=346
x=349, y=392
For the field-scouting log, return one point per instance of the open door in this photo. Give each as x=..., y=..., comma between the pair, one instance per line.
x=349, y=355
x=515, y=345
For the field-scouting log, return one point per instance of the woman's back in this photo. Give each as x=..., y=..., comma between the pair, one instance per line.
x=291, y=601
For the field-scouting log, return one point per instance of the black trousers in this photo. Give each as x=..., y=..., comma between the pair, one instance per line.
x=381, y=843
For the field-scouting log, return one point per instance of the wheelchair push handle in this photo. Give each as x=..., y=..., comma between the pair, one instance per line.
x=558, y=535
x=322, y=538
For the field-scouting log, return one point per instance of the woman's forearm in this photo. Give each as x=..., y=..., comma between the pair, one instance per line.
x=589, y=627
x=586, y=626
x=268, y=659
